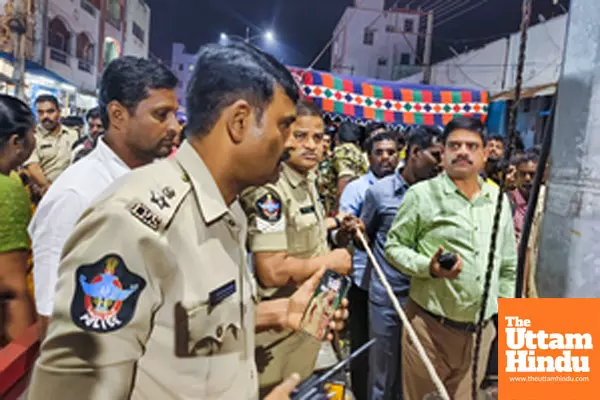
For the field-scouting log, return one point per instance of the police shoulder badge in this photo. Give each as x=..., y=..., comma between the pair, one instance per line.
x=106, y=295
x=269, y=207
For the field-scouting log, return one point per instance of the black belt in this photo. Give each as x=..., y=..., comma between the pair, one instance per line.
x=461, y=326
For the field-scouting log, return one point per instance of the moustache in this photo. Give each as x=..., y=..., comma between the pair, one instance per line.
x=46, y=121
x=458, y=159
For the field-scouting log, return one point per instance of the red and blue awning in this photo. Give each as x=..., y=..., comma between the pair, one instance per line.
x=394, y=103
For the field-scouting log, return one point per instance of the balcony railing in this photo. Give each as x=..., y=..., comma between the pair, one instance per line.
x=87, y=6
x=59, y=56
x=84, y=65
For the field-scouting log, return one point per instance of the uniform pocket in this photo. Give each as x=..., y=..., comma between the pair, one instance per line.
x=305, y=239
x=216, y=341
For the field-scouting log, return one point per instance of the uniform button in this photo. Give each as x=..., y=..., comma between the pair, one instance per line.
x=220, y=331
x=168, y=192
x=231, y=223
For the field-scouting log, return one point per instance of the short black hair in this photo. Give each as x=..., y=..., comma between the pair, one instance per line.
x=128, y=79
x=93, y=114
x=496, y=138
x=307, y=108
x=47, y=98
x=73, y=121
x=350, y=133
x=467, y=123
x=380, y=137
x=373, y=126
x=16, y=118
x=226, y=73
x=537, y=149
x=423, y=137
x=527, y=157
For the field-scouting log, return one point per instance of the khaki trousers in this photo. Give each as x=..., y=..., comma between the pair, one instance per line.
x=296, y=354
x=451, y=352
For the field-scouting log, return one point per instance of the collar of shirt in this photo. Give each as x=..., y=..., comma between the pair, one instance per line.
x=114, y=165
x=400, y=185
x=518, y=199
x=209, y=197
x=294, y=177
x=370, y=177
x=44, y=132
x=485, y=193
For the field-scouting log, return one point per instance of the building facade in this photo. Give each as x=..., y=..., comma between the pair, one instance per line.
x=493, y=68
x=83, y=36
x=137, y=21
x=372, y=42
x=68, y=43
x=182, y=65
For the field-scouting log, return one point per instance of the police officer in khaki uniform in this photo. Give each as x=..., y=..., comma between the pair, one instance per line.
x=288, y=239
x=155, y=299
x=52, y=154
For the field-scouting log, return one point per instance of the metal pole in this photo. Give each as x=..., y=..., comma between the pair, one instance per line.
x=19, y=29
x=428, y=48
x=41, y=31
x=569, y=259
x=247, y=34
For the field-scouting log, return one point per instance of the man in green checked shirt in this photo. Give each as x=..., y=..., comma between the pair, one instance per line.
x=451, y=213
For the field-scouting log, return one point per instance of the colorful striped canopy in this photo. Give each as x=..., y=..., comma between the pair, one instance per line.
x=394, y=103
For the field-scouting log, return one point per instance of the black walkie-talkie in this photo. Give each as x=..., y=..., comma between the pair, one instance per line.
x=312, y=388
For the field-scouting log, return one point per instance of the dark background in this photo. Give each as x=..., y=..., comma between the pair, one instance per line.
x=303, y=27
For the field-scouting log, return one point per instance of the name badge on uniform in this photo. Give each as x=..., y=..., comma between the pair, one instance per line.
x=219, y=295
x=45, y=146
x=307, y=210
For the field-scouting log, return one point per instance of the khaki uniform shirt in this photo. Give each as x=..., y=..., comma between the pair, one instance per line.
x=287, y=217
x=154, y=298
x=53, y=153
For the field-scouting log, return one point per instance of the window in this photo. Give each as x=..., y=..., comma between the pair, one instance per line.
x=382, y=62
x=58, y=35
x=390, y=29
x=409, y=25
x=181, y=67
x=369, y=36
x=138, y=32
x=113, y=15
x=405, y=59
x=89, y=7
x=85, y=48
x=111, y=50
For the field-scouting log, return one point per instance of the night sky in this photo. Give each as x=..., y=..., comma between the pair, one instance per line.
x=303, y=27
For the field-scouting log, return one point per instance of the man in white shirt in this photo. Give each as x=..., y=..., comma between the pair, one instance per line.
x=138, y=105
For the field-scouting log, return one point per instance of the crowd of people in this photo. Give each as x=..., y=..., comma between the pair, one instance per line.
x=164, y=258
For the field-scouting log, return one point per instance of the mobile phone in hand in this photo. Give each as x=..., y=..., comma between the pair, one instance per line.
x=327, y=298
x=447, y=260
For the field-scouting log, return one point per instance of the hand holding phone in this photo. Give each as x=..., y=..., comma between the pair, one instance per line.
x=445, y=265
x=447, y=260
x=325, y=301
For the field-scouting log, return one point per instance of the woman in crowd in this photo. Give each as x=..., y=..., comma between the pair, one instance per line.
x=16, y=145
